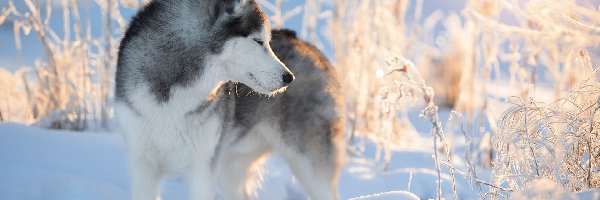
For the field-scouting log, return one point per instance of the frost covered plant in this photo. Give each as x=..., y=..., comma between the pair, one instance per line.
x=410, y=84
x=527, y=43
x=558, y=141
x=362, y=46
x=542, y=34
x=71, y=86
x=10, y=85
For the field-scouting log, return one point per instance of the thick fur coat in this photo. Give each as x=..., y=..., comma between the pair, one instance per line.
x=201, y=93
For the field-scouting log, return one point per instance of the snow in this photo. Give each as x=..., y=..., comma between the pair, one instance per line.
x=44, y=164
x=389, y=195
x=50, y=164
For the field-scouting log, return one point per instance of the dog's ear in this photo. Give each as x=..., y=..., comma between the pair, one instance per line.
x=229, y=8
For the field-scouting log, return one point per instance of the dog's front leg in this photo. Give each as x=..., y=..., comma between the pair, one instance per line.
x=200, y=181
x=200, y=175
x=145, y=180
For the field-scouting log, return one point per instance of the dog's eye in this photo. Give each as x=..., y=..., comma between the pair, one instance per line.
x=260, y=42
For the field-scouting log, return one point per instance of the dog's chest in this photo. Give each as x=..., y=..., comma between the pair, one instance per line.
x=185, y=142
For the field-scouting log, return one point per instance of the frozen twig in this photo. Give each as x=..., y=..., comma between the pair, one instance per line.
x=479, y=181
x=589, y=142
x=414, y=82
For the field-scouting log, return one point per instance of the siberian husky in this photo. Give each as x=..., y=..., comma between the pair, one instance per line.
x=201, y=93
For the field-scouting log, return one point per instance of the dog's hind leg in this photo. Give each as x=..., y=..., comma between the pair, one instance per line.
x=315, y=153
x=317, y=176
x=239, y=169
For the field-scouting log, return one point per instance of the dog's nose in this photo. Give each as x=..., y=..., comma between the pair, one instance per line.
x=288, y=78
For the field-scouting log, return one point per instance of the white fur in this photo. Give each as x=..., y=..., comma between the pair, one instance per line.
x=163, y=140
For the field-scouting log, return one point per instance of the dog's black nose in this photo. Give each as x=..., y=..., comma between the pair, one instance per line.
x=288, y=78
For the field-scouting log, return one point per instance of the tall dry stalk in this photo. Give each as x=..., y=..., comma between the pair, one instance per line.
x=365, y=34
x=410, y=85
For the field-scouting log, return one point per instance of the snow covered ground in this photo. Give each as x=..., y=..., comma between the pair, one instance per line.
x=48, y=164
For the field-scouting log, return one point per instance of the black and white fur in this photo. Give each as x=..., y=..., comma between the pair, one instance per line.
x=200, y=94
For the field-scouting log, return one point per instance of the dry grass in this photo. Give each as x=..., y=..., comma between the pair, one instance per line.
x=71, y=86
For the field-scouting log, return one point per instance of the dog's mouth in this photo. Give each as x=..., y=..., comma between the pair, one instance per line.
x=253, y=78
x=265, y=90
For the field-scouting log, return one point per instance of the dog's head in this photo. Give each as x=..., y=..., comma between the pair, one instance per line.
x=244, y=52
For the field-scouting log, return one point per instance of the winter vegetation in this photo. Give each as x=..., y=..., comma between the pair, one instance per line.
x=70, y=87
x=503, y=95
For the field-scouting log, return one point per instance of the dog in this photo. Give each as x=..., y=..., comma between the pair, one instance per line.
x=201, y=93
